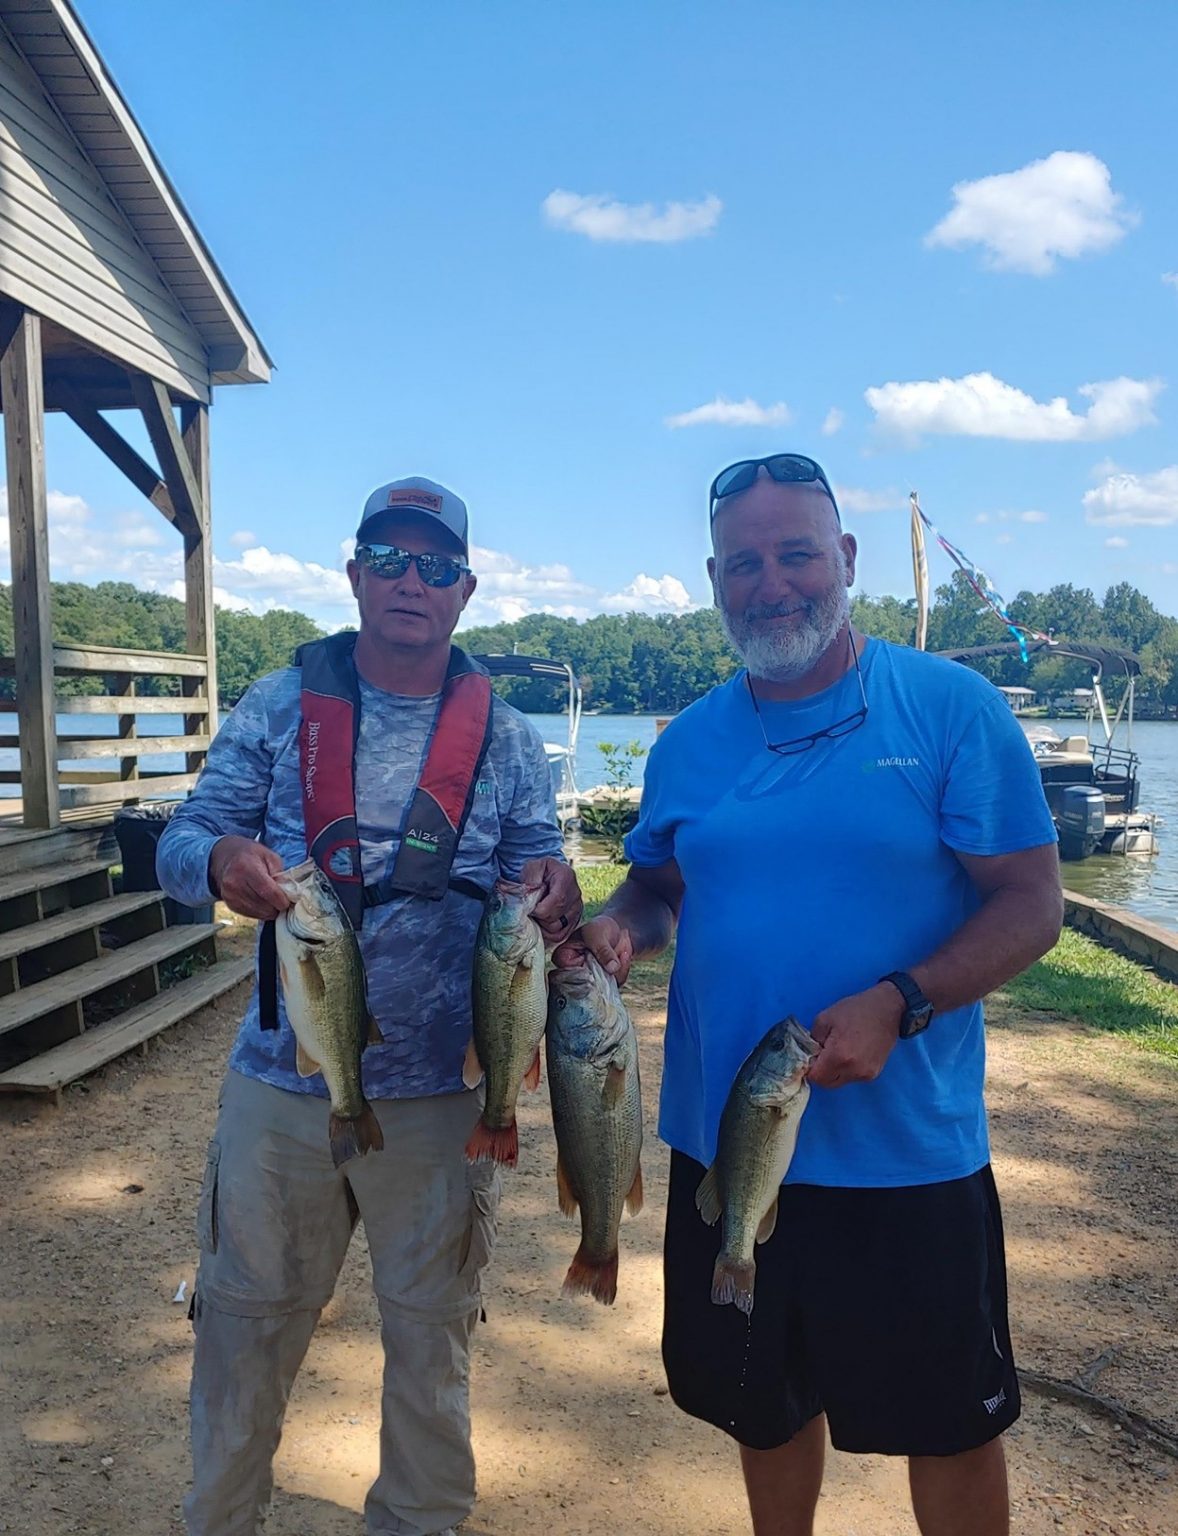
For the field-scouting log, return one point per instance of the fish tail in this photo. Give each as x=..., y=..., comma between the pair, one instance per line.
x=493, y=1144
x=354, y=1136
x=592, y=1277
x=732, y=1283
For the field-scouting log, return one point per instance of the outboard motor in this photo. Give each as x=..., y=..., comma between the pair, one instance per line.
x=1081, y=821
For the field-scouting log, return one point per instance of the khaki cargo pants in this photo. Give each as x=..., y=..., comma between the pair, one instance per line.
x=274, y=1225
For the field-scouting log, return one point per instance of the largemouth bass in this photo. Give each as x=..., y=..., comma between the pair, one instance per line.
x=597, y=1114
x=510, y=1001
x=323, y=988
x=758, y=1134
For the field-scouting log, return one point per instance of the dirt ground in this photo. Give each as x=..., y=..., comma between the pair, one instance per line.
x=574, y=1431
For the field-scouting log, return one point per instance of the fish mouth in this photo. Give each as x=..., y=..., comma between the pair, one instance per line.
x=802, y=1038
x=574, y=978
x=293, y=879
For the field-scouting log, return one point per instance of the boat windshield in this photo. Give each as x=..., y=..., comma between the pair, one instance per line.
x=1041, y=736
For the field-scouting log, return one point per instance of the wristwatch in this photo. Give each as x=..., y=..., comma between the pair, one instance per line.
x=918, y=1011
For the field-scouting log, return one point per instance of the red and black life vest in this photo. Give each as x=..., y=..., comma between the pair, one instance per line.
x=438, y=810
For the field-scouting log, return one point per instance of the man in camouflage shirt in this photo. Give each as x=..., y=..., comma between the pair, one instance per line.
x=275, y=1214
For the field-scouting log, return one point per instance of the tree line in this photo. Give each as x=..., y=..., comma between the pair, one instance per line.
x=638, y=663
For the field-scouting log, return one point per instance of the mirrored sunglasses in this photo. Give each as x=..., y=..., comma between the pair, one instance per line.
x=387, y=561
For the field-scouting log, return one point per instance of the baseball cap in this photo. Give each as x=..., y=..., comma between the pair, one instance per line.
x=410, y=497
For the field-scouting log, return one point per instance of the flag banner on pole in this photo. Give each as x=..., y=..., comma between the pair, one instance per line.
x=980, y=583
x=919, y=575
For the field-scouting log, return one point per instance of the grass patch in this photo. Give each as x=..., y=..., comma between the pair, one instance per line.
x=1081, y=980
x=598, y=882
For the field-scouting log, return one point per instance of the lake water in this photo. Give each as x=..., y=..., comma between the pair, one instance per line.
x=1148, y=886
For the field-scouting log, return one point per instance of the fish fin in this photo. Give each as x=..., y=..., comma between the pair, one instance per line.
x=532, y=1075
x=472, y=1068
x=732, y=1283
x=493, y=1144
x=311, y=976
x=592, y=1277
x=707, y=1197
x=635, y=1197
x=305, y=1062
x=614, y=1085
x=353, y=1138
x=374, y=1036
x=566, y=1196
x=282, y=978
x=768, y=1222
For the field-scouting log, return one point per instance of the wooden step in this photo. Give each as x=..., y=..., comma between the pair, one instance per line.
x=77, y=839
x=96, y=914
x=83, y=981
x=42, y=877
x=49, y=1072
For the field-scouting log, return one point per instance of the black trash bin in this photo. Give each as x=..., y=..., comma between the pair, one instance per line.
x=138, y=829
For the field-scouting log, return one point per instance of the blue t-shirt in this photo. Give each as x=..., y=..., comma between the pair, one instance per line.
x=811, y=876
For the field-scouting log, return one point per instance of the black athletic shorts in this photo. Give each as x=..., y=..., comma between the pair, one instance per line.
x=883, y=1308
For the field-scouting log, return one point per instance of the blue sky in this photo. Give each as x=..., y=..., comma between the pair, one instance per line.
x=758, y=208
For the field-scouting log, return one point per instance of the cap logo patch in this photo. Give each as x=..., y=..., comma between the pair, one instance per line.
x=426, y=501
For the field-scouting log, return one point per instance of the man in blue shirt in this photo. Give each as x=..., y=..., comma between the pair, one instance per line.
x=276, y=1215
x=853, y=833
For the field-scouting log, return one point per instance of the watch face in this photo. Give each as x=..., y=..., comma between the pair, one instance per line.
x=914, y=1021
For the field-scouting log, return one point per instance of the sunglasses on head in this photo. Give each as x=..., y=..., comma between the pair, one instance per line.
x=390, y=562
x=785, y=468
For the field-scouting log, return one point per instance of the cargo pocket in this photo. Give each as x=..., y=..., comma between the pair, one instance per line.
x=206, y=1211
x=486, y=1185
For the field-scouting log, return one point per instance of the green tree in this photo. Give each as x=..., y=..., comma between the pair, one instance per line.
x=1130, y=617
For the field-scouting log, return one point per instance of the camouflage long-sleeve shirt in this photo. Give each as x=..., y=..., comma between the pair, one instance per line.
x=418, y=954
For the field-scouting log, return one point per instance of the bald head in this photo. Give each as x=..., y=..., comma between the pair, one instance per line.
x=796, y=508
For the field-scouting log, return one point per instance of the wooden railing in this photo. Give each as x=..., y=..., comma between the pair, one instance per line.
x=113, y=774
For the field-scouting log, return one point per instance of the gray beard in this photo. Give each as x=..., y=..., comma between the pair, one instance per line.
x=784, y=655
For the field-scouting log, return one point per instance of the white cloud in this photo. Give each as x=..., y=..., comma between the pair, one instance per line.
x=266, y=579
x=81, y=543
x=982, y=517
x=732, y=413
x=1004, y=538
x=835, y=421
x=1061, y=206
x=650, y=594
x=1116, y=542
x=89, y=547
x=604, y=218
x=510, y=588
x=221, y=598
x=980, y=405
x=1171, y=278
x=243, y=539
x=1123, y=500
x=1032, y=517
x=852, y=498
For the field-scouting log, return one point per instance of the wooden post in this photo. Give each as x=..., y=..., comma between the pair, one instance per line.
x=22, y=388
x=123, y=684
x=198, y=573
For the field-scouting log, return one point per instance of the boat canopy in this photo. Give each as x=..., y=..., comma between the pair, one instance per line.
x=527, y=666
x=1101, y=656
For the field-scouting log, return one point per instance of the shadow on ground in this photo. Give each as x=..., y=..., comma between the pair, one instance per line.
x=574, y=1431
